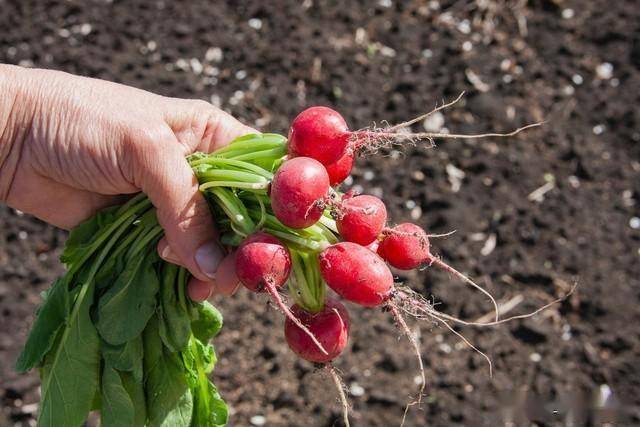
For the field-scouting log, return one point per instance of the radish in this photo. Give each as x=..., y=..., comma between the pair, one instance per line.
x=330, y=326
x=263, y=263
x=340, y=169
x=406, y=246
x=320, y=133
x=298, y=190
x=356, y=274
x=360, y=219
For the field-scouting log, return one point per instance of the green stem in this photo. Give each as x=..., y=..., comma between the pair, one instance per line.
x=235, y=184
x=127, y=215
x=222, y=162
x=230, y=175
x=274, y=153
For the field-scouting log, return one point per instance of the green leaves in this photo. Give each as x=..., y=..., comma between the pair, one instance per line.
x=117, y=332
x=123, y=311
x=71, y=370
x=117, y=406
x=50, y=318
x=175, y=323
x=82, y=237
x=169, y=399
x=206, y=321
x=125, y=357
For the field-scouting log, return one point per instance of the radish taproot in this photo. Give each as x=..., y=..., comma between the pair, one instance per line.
x=298, y=190
x=263, y=264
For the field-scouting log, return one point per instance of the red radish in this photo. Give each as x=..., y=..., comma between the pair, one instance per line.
x=330, y=326
x=263, y=263
x=361, y=219
x=405, y=246
x=339, y=170
x=356, y=274
x=320, y=133
x=298, y=190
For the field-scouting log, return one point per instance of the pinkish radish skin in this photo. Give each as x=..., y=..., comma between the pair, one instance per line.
x=297, y=191
x=320, y=133
x=405, y=246
x=330, y=326
x=339, y=170
x=361, y=219
x=356, y=274
x=261, y=261
x=373, y=246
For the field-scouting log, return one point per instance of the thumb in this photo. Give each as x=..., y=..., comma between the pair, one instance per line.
x=161, y=171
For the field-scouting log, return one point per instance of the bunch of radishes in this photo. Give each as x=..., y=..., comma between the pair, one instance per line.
x=292, y=226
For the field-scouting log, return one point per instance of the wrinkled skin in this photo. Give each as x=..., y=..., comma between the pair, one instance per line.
x=71, y=145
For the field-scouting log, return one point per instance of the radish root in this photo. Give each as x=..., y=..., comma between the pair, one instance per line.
x=373, y=138
x=402, y=324
x=340, y=387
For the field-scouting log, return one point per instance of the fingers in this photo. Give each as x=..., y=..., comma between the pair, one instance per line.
x=226, y=282
x=160, y=170
x=199, y=126
x=222, y=128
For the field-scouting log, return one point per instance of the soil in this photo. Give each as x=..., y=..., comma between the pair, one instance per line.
x=519, y=62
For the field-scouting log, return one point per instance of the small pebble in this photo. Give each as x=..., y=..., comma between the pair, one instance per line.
x=368, y=175
x=604, y=71
x=196, y=66
x=568, y=13
x=416, y=213
x=22, y=235
x=417, y=380
x=535, y=357
x=385, y=3
x=258, y=420
x=464, y=26
x=577, y=79
x=213, y=54
x=467, y=46
x=356, y=389
x=241, y=74
x=434, y=122
x=574, y=181
x=634, y=223
x=410, y=204
x=598, y=129
x=255, y=23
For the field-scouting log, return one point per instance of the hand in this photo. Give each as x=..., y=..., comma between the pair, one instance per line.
x=70, y=146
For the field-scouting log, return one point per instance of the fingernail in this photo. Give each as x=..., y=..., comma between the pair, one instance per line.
x=168, y=255
x=208, y=257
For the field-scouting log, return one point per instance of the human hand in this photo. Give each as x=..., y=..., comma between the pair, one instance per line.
x=70, y=146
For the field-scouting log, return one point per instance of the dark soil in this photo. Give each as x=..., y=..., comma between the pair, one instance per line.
x=373, y=62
